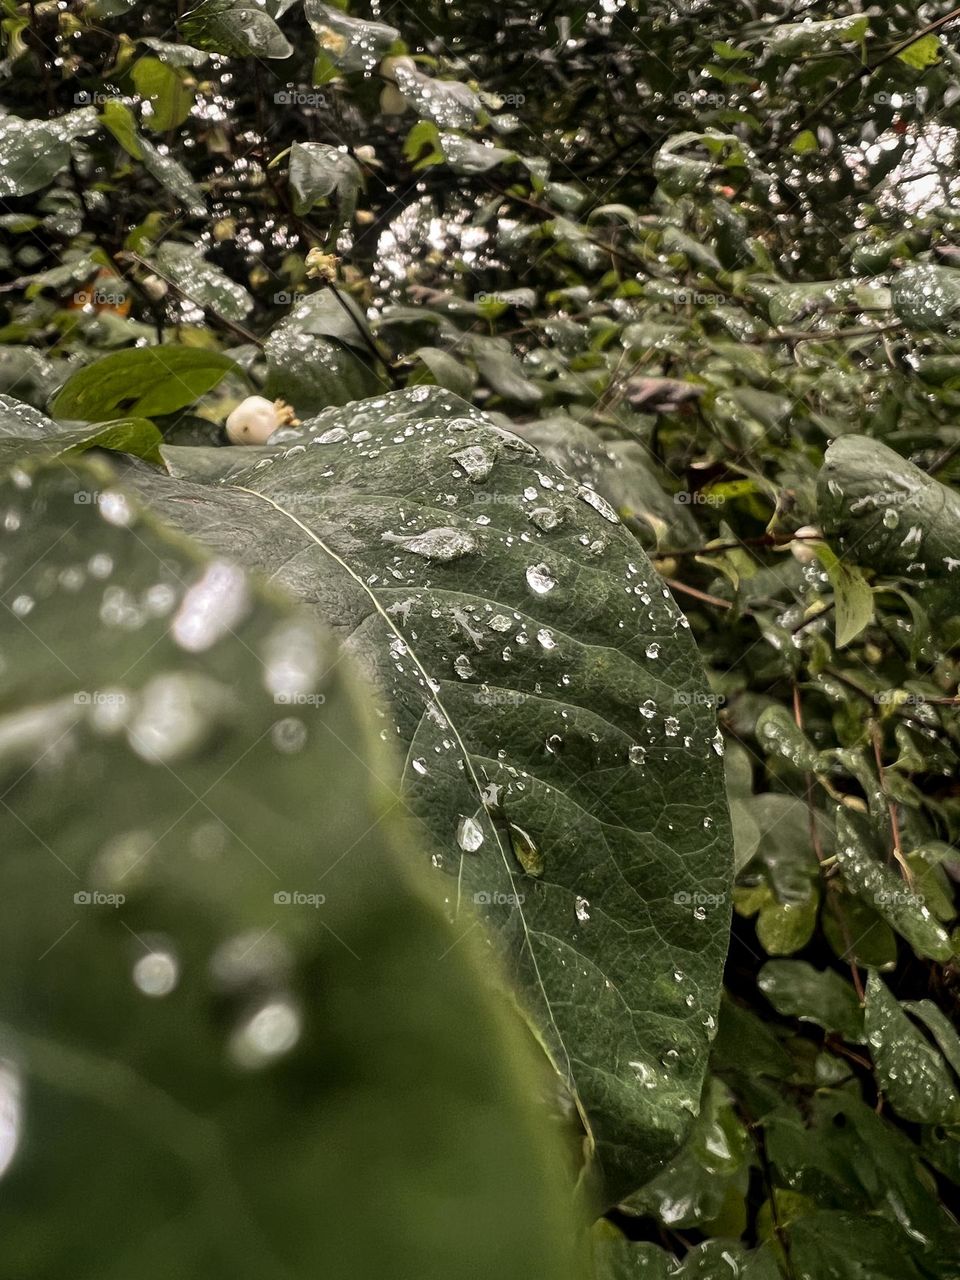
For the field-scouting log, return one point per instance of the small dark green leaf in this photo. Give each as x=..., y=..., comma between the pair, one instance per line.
x=234, y=28
x=910, y=1071
x=146, y=380
x=797, y=990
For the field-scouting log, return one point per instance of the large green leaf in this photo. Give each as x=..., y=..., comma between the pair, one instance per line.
x=236, y=1037
x=890, y=515
x=560, y=747
x=25, y=432
x=144, y=380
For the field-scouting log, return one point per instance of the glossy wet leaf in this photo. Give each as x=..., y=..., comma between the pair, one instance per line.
x=621, y=470
x=617, y=1258
x=564, y=766
x=127, y=435
x=350, y=43
x=941, y=1028
x=443, y=370
x=838, y=1152
x=317, y=170
x=848, y=1246
x=891, y=515
x=779, y=735
x=463, y=155
x=165, y=89
x=857, y=933
x=173, y=176
x=853, y=599
x=797, y=990
x=203, y=281
x=145, y=381
x=231, y=1012
x=621, y=1259
x=447, y=103
x=32, y=152
x=911, y=1072
x=713, y=1163
x=234, y=28
x=927, y=296
x=890, y=895
x=316, y=356
x=789, y=39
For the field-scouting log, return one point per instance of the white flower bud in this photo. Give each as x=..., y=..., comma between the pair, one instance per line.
x=253, y=421
x=801, y=549
x=154, y=287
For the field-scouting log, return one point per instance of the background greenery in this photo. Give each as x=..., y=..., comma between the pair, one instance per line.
x=681, y=250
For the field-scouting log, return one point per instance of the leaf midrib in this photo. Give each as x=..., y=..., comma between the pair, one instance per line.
x=465, y=754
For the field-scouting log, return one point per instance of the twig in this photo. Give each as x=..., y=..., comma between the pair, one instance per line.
x=809, y=781
x=698, y=595
x=891, y=807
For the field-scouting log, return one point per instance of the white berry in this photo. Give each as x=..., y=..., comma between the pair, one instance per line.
x=253, y=421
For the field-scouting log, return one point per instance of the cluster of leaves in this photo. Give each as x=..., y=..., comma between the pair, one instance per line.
x=704, y=261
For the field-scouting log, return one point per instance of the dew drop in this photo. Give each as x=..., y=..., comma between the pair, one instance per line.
x=444, y=544
x=593, y=499
x=156, y=974
x=540, y=579
x=271, y=1032
x=469, y=835
x=463, y=667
